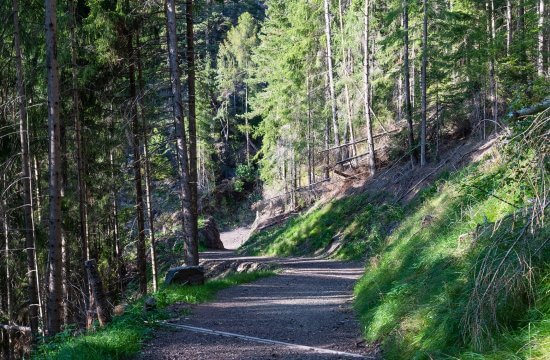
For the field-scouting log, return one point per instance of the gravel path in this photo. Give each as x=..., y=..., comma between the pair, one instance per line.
x=308, y=303
x=235, y=238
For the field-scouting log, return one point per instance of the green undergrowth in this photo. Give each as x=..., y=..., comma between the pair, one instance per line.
x=124, y=337
x=459, y=272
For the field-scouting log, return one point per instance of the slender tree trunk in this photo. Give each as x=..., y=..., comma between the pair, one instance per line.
x=191, y=247
x=65, y=272
x=332, y=90
x=294, y=180
x=247, y=133
x=540, y=52
x=190, y=54
x=509, y=31
x=413, y=79
x=118, y=248
x=492, y=66
x=140, y=248
x=521, y=15
x=30, y=242
x=146, y=163
x=37, y=193
x=407, y=85
x=346, y=86
x=54, y=125
x=547, y=52
x=366, y=88
x=327, y=157
x=424, y=85
x=438, y=124
x=80, y=171
x=8, y=280
x=309, y=147
x=400, y=97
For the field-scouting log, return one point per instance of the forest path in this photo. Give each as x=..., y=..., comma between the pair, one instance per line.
x=233, y=239
x=308, y=303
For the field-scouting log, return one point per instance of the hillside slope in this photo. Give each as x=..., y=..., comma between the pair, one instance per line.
x=460, y=270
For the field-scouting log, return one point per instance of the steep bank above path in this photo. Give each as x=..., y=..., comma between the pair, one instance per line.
x=456, y=259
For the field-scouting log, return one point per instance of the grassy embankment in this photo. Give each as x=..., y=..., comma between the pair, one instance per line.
x=124, y=337
x=459, y=272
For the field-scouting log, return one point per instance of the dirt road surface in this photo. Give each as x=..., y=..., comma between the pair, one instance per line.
x=308, y=303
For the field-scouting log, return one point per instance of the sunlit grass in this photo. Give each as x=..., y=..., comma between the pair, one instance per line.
x=419, y=276
x=354, y=221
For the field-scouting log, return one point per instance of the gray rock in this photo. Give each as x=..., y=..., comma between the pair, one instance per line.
x=150, y=304
x=186, y=275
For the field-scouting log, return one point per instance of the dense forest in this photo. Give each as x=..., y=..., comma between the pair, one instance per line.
x=125, y=124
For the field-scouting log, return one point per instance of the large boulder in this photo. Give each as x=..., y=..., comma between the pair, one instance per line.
x=186, y=275
x=209, y=235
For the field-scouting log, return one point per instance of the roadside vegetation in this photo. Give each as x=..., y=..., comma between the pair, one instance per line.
x=461, y=271
x=124, y=337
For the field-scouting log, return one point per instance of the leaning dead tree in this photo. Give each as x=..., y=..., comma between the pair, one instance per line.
x=103, y=313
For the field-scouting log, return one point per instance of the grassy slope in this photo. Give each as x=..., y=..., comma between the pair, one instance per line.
x=414, y=296
x=124, y=337
x=357, y=221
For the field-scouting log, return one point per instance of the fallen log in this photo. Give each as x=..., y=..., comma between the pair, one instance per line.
x=19, y=328
x=531, y=110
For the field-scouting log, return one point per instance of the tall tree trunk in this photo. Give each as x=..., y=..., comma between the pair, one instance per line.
x=346, y=86
x=332, y=90
x=190, y=54
x=540, y=52
x=247, y=132
x=492, y=65
x=366, y=88
x=140, y=248
x=54, y=125
x=521, y=19
x=146, y=166
x=424, y=85
x=309, y=131
x=413, y=80
x=326, y=168
x=30, y=242
x=80, y=171
x=7, y=250
x=37, y=193
x=118, y=248
x=400, y=96
x=191, y=247
x=407, y=85
x=66, y=261
x=509, y=31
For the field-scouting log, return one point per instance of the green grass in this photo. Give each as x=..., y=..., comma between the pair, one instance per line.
x=357, y=222
x=417, y=297
x=124, y=337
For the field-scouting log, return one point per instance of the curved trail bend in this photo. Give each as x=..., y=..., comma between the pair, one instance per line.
x=307, y=304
